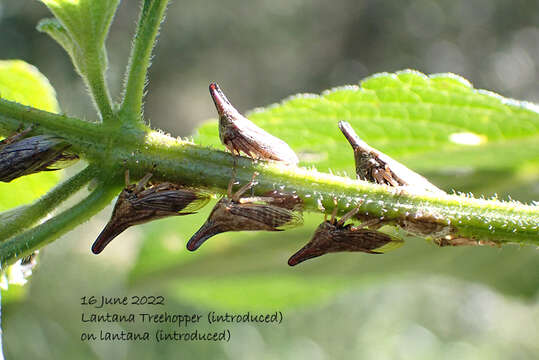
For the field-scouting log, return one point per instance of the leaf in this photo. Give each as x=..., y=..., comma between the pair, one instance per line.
x=24, y=84
x=407, y=115
x=56, y=30
x=84, y=20
x=428, y=122
x=81, y=28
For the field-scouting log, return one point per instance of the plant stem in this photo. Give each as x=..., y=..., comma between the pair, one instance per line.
x=194, y=165
x=95, y=79
x=25, y=243
x=151, y=16
x=13, y=115
x=16, y=220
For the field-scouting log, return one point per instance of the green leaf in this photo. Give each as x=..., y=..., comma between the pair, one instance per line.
x=24, y=84
x=86, y=21
x=409, y=116
x=81, y=28
x=423, y=121
x=55, y=30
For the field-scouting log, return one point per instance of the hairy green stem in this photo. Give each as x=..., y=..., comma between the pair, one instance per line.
x=16, y=220
x=151, y=16
x=13, y=115
x=194, y=165
x=31, y=240
x=199, y=166
x=81, y=31
x=95, y=79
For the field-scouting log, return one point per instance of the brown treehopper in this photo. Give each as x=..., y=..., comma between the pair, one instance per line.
x=239, y=134
x=335, y=236
x=32, y=155
x=139, y=204
x=375, y=166
x=234, y=213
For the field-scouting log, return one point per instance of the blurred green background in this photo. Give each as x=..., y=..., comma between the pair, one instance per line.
x=418, y=302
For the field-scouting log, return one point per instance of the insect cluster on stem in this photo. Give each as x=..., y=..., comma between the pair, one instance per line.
x=275, y=211
x=375, y=166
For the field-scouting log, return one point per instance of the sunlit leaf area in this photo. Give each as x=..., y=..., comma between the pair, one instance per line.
x=23, y=83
